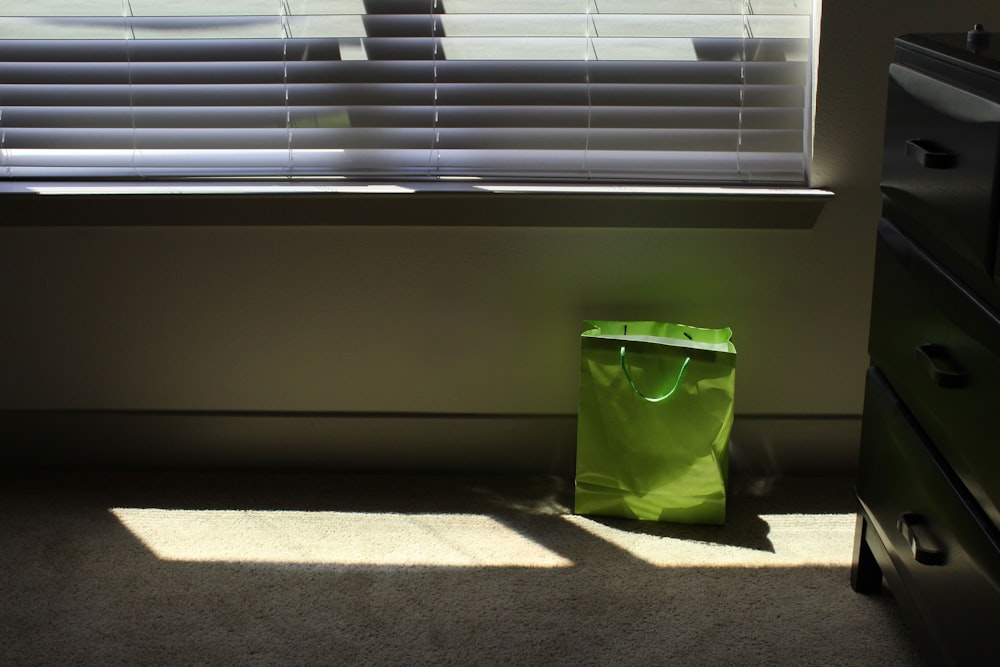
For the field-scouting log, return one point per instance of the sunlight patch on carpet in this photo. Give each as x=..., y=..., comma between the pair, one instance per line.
x=334, y=538
x=793, y=540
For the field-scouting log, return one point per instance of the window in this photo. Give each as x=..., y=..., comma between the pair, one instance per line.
x=661, y=91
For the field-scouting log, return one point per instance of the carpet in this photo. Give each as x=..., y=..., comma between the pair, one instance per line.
x=320, y=568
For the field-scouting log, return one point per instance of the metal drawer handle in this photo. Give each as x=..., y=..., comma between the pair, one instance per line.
x=942, y=369
x=930, y=155
x=913, y=528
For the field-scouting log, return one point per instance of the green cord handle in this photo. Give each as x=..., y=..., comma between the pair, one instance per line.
x=652, y=399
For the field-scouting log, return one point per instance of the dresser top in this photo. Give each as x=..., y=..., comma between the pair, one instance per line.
x=981, y=55
x=951, y=57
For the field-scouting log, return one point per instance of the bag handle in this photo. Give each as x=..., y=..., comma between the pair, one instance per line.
x=653, y=399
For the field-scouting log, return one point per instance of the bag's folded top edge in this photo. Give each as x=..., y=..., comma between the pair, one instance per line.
x=673, y=342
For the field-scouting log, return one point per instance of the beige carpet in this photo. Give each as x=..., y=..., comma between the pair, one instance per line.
x=210, y=568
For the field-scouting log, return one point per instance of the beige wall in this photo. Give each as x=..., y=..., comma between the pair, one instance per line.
x=243, y=309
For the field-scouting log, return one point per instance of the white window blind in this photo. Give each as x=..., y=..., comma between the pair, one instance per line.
x=668, y=91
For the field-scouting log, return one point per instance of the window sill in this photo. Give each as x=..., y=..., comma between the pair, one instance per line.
x=565, y=205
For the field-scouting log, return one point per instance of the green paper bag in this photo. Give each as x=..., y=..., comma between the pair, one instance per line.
x=656, y=409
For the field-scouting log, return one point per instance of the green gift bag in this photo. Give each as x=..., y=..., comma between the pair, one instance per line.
x=656, y=409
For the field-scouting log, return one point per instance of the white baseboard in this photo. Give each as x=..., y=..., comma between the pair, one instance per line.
x=768, y=446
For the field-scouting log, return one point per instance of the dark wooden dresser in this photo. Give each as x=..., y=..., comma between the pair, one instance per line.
x=929, y=467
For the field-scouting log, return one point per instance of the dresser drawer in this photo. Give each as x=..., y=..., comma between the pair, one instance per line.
x=940, y=171
x=939, y=348
x=943, y=552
